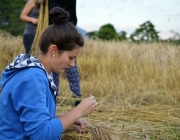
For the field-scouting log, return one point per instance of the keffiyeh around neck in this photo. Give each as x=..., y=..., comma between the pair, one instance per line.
x=24, y=61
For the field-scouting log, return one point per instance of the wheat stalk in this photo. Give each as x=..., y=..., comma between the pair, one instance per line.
x=98, y=132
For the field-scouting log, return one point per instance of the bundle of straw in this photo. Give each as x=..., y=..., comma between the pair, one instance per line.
x=98, y=132
x=43, y=21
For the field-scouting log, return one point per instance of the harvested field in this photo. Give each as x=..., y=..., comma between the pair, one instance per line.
x=137, y=87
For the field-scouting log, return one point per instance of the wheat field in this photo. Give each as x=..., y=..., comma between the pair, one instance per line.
x=137, y=87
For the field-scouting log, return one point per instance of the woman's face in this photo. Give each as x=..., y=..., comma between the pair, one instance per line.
x=65, y=59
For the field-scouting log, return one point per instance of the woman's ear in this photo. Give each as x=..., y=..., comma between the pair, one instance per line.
x=53, y=50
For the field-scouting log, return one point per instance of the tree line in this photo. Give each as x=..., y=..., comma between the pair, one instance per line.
x=145, y=33
x=9, y=20
x=10, y=11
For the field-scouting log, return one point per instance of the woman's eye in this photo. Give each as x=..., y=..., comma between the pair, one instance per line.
x=71, y=58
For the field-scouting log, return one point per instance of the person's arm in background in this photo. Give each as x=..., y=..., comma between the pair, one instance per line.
x=27, y=9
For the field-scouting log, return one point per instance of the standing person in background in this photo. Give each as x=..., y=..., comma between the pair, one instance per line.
x=71, y=73
x=68, y=5
x=30, y=15
x=27, y=101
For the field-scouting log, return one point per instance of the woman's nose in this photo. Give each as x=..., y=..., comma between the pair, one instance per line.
x=72, y=63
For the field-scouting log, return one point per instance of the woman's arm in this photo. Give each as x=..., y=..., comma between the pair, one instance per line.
x=84, y=108
x=27, y=9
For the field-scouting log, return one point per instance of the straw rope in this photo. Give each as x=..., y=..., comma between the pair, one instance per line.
x=43, y=21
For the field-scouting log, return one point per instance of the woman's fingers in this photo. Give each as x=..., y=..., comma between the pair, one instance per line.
x=80, y=130
x=87, y=105
x=95, y=104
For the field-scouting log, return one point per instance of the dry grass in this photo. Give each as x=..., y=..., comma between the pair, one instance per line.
x=153, y=122
x=130, y=74
x=137, y=87
x=10, y=46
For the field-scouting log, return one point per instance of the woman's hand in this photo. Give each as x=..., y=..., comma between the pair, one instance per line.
x=34, y=21
x=87, y=106
x=84, y=108
x=80, y=126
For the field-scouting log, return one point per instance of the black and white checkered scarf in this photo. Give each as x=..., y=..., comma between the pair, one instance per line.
x=24, y=61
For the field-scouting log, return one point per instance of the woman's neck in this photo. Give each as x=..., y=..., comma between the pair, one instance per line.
x=45, y=62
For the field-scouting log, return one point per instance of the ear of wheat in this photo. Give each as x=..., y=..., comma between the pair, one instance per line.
x=98, y=132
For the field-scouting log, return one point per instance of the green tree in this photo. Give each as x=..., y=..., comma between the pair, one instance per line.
x=107, y=32
x=10, y=11
x=122, y=36
x=145, y=33
x=92, y=34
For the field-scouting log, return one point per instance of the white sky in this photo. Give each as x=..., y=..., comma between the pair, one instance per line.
x=127, y=15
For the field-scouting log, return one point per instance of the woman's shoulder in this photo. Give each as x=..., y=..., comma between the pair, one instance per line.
x=31, y=3
x=35, y=71
x=31, y=74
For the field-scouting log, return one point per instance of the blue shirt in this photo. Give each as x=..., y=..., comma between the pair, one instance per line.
x=27, y=106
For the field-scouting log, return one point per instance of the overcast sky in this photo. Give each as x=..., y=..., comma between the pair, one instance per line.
x=127, y=15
